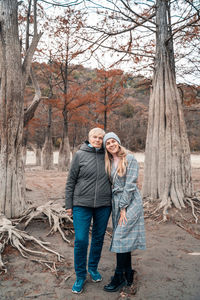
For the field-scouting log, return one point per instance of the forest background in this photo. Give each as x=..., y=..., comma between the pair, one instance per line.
x=128, y=117
x=155, y=38
x=124, y=65
x=49, y=98
x=114, y=98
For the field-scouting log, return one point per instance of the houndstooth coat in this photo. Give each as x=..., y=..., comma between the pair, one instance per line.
x=125, y=194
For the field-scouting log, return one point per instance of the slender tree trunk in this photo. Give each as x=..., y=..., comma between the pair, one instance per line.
x=37, y=151
x=105, y=119
x=12, y=188
x=64, y=151
x=47, y=151
x=167, y=172
x=24, y=154
x=38, y=155
x=64, y=155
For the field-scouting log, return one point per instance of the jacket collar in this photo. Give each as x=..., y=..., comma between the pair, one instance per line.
x=85, y=147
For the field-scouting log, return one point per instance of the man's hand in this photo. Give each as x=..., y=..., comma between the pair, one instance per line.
x=69, y=212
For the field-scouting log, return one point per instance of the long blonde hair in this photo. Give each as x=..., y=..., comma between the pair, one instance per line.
x=121, y=168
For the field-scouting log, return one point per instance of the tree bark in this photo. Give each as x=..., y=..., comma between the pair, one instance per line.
x=64, y=155
x=38, y=159
x=30, y=111
x=47, y=151
x=13, y=81
x=12, y=187
x=24, y=145
x=64, y=150
x=167, y=170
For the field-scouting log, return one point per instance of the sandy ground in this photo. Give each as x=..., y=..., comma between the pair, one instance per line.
x=166, y=270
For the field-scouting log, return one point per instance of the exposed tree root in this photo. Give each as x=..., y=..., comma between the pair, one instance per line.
x=39, y=295
x=9, y=234
x=70, y=275
x=153, y=209
x=49, y=264
x=56, y=216
x=187, y=218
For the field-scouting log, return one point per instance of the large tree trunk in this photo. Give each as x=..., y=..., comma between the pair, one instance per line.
x=167, y=171
x=13, y=77
x=12, y=188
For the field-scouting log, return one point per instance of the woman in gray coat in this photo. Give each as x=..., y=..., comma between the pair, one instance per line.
x=127, y=210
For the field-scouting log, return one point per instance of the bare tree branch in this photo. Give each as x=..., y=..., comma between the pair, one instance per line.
x=57, y=3
x=184, y=26
x=29, y=113
x=123, y=51
x=30, y=52
x=191, y=3
x=137, y=15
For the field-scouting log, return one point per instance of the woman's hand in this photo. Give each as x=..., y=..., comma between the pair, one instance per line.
x=69, y=212
x=122, y=219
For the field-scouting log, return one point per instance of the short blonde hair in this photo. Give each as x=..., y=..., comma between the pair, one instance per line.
x=96, y=130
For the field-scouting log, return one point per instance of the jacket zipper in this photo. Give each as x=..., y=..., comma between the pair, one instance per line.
x=95, y=196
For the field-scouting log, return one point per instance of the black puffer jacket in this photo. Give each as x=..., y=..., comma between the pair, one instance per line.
x=87, y=182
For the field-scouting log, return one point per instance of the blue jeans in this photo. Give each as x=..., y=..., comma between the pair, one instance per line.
x=82, y=217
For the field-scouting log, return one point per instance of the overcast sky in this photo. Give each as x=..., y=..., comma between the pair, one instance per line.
x=107, y=60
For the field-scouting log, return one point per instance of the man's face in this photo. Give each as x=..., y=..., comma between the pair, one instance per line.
x=96, y=140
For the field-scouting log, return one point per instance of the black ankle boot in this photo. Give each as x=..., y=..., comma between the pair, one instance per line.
x=129, y=277
x=116, y=283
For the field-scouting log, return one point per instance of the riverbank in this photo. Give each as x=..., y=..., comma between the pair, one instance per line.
x=195, y=158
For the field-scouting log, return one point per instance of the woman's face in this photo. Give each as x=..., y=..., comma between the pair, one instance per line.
x=96, y=140
x=112, y=146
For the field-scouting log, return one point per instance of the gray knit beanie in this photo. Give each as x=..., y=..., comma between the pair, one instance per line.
x=110, y=135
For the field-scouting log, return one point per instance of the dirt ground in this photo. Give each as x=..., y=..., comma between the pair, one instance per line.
x=166, y=270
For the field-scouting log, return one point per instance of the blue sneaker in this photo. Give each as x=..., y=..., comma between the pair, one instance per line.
x=95, y=275
x=78, y=286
